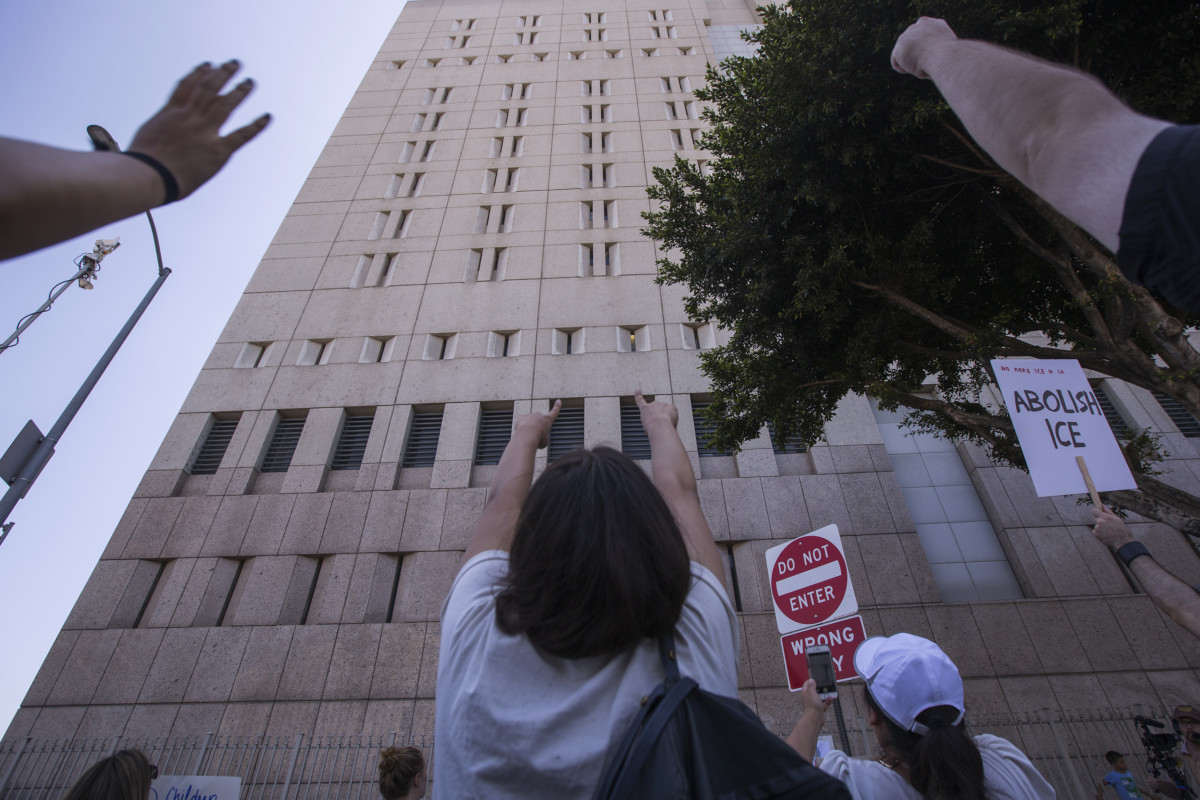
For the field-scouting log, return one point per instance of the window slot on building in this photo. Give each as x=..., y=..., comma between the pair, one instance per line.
x=566, y=434
x=381, y=221
x=312, y=587
x=585, y=215
x=676, y=139
x=376, y=350
x=698, y=336
x=506, y=218
x=313, y=352
x=437, y=121
x=503, y=59
x=423, y=434
x=418, y=181
x=352, y=442
x=511, y=182
x=440, y=346
x=791, y=446
x=427, y=152
x=446, y=94
x=481, y=219
x=489, y=181
x=522, y=117
x=474, y=264
x=574, y=55
x=216, y=442
x=159, y=568
x=610, y=213
x=359, y=278
x=566, y=341
x=428, y=97
x=399, y=557
x=649, y=52
x=418, y=123
x=238, y=565
x=401, y=217
x=689, y=109
x=670, y=109
x=394, y=185
x=252, y=355
x=634, y=442
x=390, y=260
x=283, y=444
x=495, y=429
x=540, y=56
x=1187, y=424
x=606, y=176
x=733, y=577
x=1115, y=420
x=395, y=64
x=431, y=62
x=502, y=344
x=704, y=431
x=467, y=61
x=631, y=339
x=687, y=51
x=613, y=54
x=611, y=263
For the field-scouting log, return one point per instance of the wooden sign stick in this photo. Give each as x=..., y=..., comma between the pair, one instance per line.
x=1087, y=478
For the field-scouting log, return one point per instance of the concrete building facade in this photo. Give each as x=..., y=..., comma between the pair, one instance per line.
x=467, y=248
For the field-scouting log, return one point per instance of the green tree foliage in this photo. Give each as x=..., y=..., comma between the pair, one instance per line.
x=852, y=237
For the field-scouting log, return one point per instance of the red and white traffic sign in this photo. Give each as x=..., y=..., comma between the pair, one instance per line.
x=842, y=637
x=810, y=583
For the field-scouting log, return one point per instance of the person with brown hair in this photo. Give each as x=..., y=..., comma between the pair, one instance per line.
x=125, y=775
x=402, y=773
x=914, y=698
x=549, y=633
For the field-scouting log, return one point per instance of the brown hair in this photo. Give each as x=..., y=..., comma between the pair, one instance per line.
x=125, y=775
x=598, y=563
x=397, y=768
x=944, y=764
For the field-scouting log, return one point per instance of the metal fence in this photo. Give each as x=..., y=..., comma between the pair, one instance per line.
x=1067, y=748
x=271, y=767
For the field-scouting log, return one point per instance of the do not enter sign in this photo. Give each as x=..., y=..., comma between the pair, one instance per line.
x=810, y=583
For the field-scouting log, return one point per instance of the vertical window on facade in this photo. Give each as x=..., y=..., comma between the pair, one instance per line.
x=1117, y=422
x=613, y=54
x=237, y=564
x=216, y=442
x=566, y=341
x=791, y=446
x=502, y=344
x=352, y=441
x=415, y=189
x=964, y=554
x=540, y=56
x=566, y=434
x=704, y=431
x=252, y=355
x=634, y=442
x=731, y=562
x=423, y=433
x=390, y=261
x=495, y=429
x=632, y=339
x=1187, y=424
x=313, y=352
x=283, y=444
x=376, y=349
x=395, y=64
x=319, y=563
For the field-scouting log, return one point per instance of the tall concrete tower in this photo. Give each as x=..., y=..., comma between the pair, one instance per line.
x=466, y=249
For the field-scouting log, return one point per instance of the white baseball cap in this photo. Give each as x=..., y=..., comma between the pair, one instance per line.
x=906, y=675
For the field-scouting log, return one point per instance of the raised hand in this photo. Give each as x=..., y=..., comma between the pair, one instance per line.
x=914, y=43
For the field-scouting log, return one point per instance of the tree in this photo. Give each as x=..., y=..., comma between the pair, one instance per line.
x=852, y=237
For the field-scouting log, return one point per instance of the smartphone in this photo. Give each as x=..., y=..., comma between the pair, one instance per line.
x=820, y=669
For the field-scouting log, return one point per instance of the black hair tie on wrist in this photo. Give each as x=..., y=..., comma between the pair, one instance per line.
x=169, y=183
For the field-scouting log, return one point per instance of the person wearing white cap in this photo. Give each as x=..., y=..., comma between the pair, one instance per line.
x=914, y=698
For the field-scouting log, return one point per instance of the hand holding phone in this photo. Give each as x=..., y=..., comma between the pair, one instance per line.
x=820, y=669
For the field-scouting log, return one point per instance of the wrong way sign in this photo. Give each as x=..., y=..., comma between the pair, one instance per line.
x=842, y=637
x=810, y=582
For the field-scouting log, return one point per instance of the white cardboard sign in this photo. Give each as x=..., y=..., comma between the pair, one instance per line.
x=195, y=787
x=1057, y=417
x=810, y=582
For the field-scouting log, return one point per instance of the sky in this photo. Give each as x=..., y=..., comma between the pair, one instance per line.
x=70, y=64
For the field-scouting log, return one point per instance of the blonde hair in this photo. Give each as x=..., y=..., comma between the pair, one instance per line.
x=125, y=775
x=398, y=766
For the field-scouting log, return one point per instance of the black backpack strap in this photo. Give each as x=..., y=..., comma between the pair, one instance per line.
x=643, y=745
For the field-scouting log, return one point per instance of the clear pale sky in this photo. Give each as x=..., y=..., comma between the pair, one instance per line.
x=72, y=63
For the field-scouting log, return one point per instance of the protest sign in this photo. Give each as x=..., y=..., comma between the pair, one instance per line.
x=1058, y=418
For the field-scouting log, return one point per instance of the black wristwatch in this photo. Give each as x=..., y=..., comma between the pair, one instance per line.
x=1129, y=552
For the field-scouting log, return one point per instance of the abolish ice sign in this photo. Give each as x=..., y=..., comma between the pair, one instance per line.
x=809, y=580
x=1057, y=417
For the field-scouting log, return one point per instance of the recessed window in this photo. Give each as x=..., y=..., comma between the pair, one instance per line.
x=566, y=341
x=698, y=335
x=252, y=355
x=440, y=346
x=376, y=349
x=503, y=344
x=423, y=433
x=216, y=442
x=395, y=65
x=314, y=352
x=282, y=446
x=495, y=429
x=352, y=441
x=631, y=339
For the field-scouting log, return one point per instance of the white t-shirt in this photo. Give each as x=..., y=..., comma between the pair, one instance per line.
x=1007, y=775
x=513, y=722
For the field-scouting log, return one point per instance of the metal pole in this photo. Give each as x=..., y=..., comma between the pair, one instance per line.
x=37, y=461
x=32, y=318
x=287, y=781
x=13, y=764
x=1068, y=765
x=841, y=721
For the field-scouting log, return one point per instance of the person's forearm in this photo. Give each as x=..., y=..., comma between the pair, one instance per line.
x=803, y=737
x=669, y=462
x=48, y=194
x=1180, y=601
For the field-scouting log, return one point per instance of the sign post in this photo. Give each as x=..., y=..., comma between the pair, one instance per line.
x=1061, y=427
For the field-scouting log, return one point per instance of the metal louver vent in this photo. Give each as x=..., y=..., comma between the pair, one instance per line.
x=793, y=445
x=1188, y=425
x=423, y=436
x=567, y=433
x=283, y=444
x=214, y=447
x=495, y=429
x=634, y=441
x=704, y=432
x=1115, y=420
x=352, y=444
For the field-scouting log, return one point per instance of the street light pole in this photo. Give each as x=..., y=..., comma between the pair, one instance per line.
x=30, y=451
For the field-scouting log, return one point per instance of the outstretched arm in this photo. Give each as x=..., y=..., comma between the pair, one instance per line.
x=1180, y=601
x=510, y=484
x=1057, y=130
x=48, y=194
x=676, y=482
x=803, y=737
